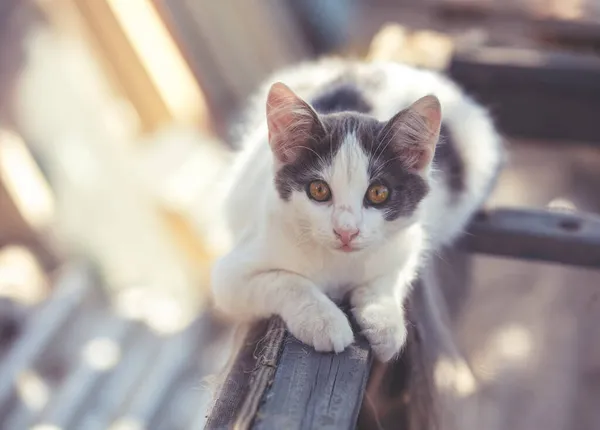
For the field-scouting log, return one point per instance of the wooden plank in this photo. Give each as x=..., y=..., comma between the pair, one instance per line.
x=557, y=237
x=303, y=389
x=527, y=90
x=21, y=222
x=121, y=63
x=316, y=390
x=579, y=33
x=181, y=23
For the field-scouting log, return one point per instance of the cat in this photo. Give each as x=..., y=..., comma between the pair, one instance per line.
x=355, y=174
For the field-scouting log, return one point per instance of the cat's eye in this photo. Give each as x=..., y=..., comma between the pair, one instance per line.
x=377, y=194
x=319, y=190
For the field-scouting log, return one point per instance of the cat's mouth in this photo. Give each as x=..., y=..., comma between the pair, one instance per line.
x=348, y=248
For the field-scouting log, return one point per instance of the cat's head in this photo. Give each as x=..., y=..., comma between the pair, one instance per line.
x=349, y=180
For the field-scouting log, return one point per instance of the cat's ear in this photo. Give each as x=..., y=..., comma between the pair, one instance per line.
x=415, y=131
x=291, y=122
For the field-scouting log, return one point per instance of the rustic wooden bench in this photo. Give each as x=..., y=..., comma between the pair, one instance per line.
x=276, y=382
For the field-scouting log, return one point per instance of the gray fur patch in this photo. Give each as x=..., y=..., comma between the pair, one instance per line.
x=343, y=96
x=448, y=159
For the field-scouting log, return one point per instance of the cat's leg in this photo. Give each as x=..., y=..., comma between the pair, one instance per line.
x=308, y=313
x=378, y=310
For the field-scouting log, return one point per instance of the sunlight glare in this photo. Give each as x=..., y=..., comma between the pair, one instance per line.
x=454, y=375
x=102, y=353
x=32, y=390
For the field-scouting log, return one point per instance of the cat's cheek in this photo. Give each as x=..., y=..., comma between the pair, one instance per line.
x=315, y=217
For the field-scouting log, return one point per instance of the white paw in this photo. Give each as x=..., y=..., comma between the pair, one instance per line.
x=384, y=327
x=322, y=325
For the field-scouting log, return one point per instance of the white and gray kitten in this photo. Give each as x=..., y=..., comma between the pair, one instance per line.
x=339, y=192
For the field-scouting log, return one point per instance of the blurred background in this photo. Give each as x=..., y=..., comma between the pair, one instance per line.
x=114, y=125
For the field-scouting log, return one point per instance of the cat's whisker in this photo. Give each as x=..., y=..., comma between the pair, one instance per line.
x=385, y=142
x=439, y=255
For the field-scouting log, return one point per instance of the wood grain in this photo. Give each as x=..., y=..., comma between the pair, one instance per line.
x=316, y=390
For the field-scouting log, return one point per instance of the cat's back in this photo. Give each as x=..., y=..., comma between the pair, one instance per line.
x=384, y=88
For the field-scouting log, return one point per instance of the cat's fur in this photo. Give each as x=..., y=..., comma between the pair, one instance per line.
x=286, y=257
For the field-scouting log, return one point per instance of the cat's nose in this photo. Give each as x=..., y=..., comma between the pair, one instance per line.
x=346, y=234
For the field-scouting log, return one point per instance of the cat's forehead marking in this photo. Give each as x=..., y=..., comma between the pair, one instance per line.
x=365, y=156
x=348, y=173
x=321, y=152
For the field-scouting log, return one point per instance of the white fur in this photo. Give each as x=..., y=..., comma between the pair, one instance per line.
x=283, y=260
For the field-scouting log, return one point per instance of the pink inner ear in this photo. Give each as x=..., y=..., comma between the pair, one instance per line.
x=289, y=120
x=279, y=104
x=422, y=158
x=430, y=110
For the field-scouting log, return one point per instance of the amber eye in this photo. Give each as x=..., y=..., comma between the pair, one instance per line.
x=319, y=191
x=377, y=194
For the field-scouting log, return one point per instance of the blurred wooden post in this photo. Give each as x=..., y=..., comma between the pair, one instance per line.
x=26, y=201
x=142, y=60
x=418, y=48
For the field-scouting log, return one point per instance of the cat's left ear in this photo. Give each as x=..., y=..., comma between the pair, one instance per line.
x=414, y=132
x=291, y=123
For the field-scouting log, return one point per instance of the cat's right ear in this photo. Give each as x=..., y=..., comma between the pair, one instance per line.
x=415, y=131
x=291, y=122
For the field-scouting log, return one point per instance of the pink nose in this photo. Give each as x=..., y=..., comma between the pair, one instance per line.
x=346, y=234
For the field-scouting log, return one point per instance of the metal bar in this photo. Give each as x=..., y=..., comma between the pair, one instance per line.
x=557, y=237
x=166, y=368
x=41, y=329
x=95, y=361
x=58, y=367
x=189, y=397
x=122, y=382
x=189, y=402
x=215, y=366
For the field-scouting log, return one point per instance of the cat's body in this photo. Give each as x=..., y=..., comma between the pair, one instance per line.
x=291, y=250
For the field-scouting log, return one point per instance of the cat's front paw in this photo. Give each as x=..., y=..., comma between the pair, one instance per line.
x=322, y=325
x=384, y=327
